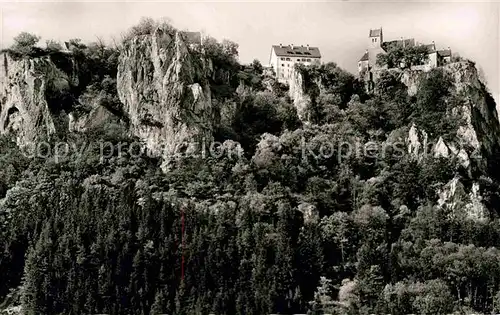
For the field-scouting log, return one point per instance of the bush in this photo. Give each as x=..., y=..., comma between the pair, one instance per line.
x=257, y=66
x=25, y=42
x=147, y=26
x=403, y=57
x=52, y=45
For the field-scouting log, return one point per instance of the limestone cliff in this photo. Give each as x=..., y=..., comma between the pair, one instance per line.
x=478, y=130
x=164, y=89
x=297, y=92
x=31, y=93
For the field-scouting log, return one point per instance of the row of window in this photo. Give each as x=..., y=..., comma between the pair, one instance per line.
x=303, y=59
x=374, y=40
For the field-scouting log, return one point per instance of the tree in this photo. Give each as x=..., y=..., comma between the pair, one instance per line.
x=323, y=302
x=52, y=45
x=257, y=66
x=349, y=296
x=403, y=57
x=435, y=298
x=230, y=48
x=159, y=305
x=147, y=26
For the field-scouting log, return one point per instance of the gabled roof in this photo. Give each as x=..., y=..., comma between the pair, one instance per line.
x=375, y=33
x=444, y=53
x=365, y=57
x=297, y=51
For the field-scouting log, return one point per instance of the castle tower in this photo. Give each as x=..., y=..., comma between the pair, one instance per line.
x=375, y=40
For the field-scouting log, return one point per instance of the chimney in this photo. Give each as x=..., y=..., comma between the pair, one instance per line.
x=281, y=46
x=307, y=46
x=449, y=48
x=291, y=46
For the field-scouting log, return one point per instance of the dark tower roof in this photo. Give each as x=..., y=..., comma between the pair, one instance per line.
x=364, y=57
x=376, y=32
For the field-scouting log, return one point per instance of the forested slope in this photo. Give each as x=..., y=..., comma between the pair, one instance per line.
x=288, y=215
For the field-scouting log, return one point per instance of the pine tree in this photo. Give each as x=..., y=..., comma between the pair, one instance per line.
x=159, y=305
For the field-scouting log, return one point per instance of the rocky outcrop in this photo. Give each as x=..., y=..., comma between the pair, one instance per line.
x=417, y=142
x=453, y=197
x=164, y=89
x=475, y=144
x=410, y=78
x=479, y=129
x=443, y=150
x=419, y=147
x=28, y=86
x=478, y=133
x=297, y=92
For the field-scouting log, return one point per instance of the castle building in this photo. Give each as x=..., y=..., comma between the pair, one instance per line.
x=283, y=58
x=367, y=66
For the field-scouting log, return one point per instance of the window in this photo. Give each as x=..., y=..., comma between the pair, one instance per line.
x=287, y=59
x=282, y=64
x=282, y=58
x=308, y=60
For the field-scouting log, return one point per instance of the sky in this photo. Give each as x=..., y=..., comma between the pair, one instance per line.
x=339, y=28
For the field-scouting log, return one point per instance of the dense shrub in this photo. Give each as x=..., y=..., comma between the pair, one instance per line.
x=403, y=57
x=24, y=43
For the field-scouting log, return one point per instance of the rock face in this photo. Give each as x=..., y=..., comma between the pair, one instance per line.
x=410, y=78
x=26, y=87
x=479, y=129
x=475, y=145
x=417, y=142
x=164, y=89
x=453, y=197
x=297, y=92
